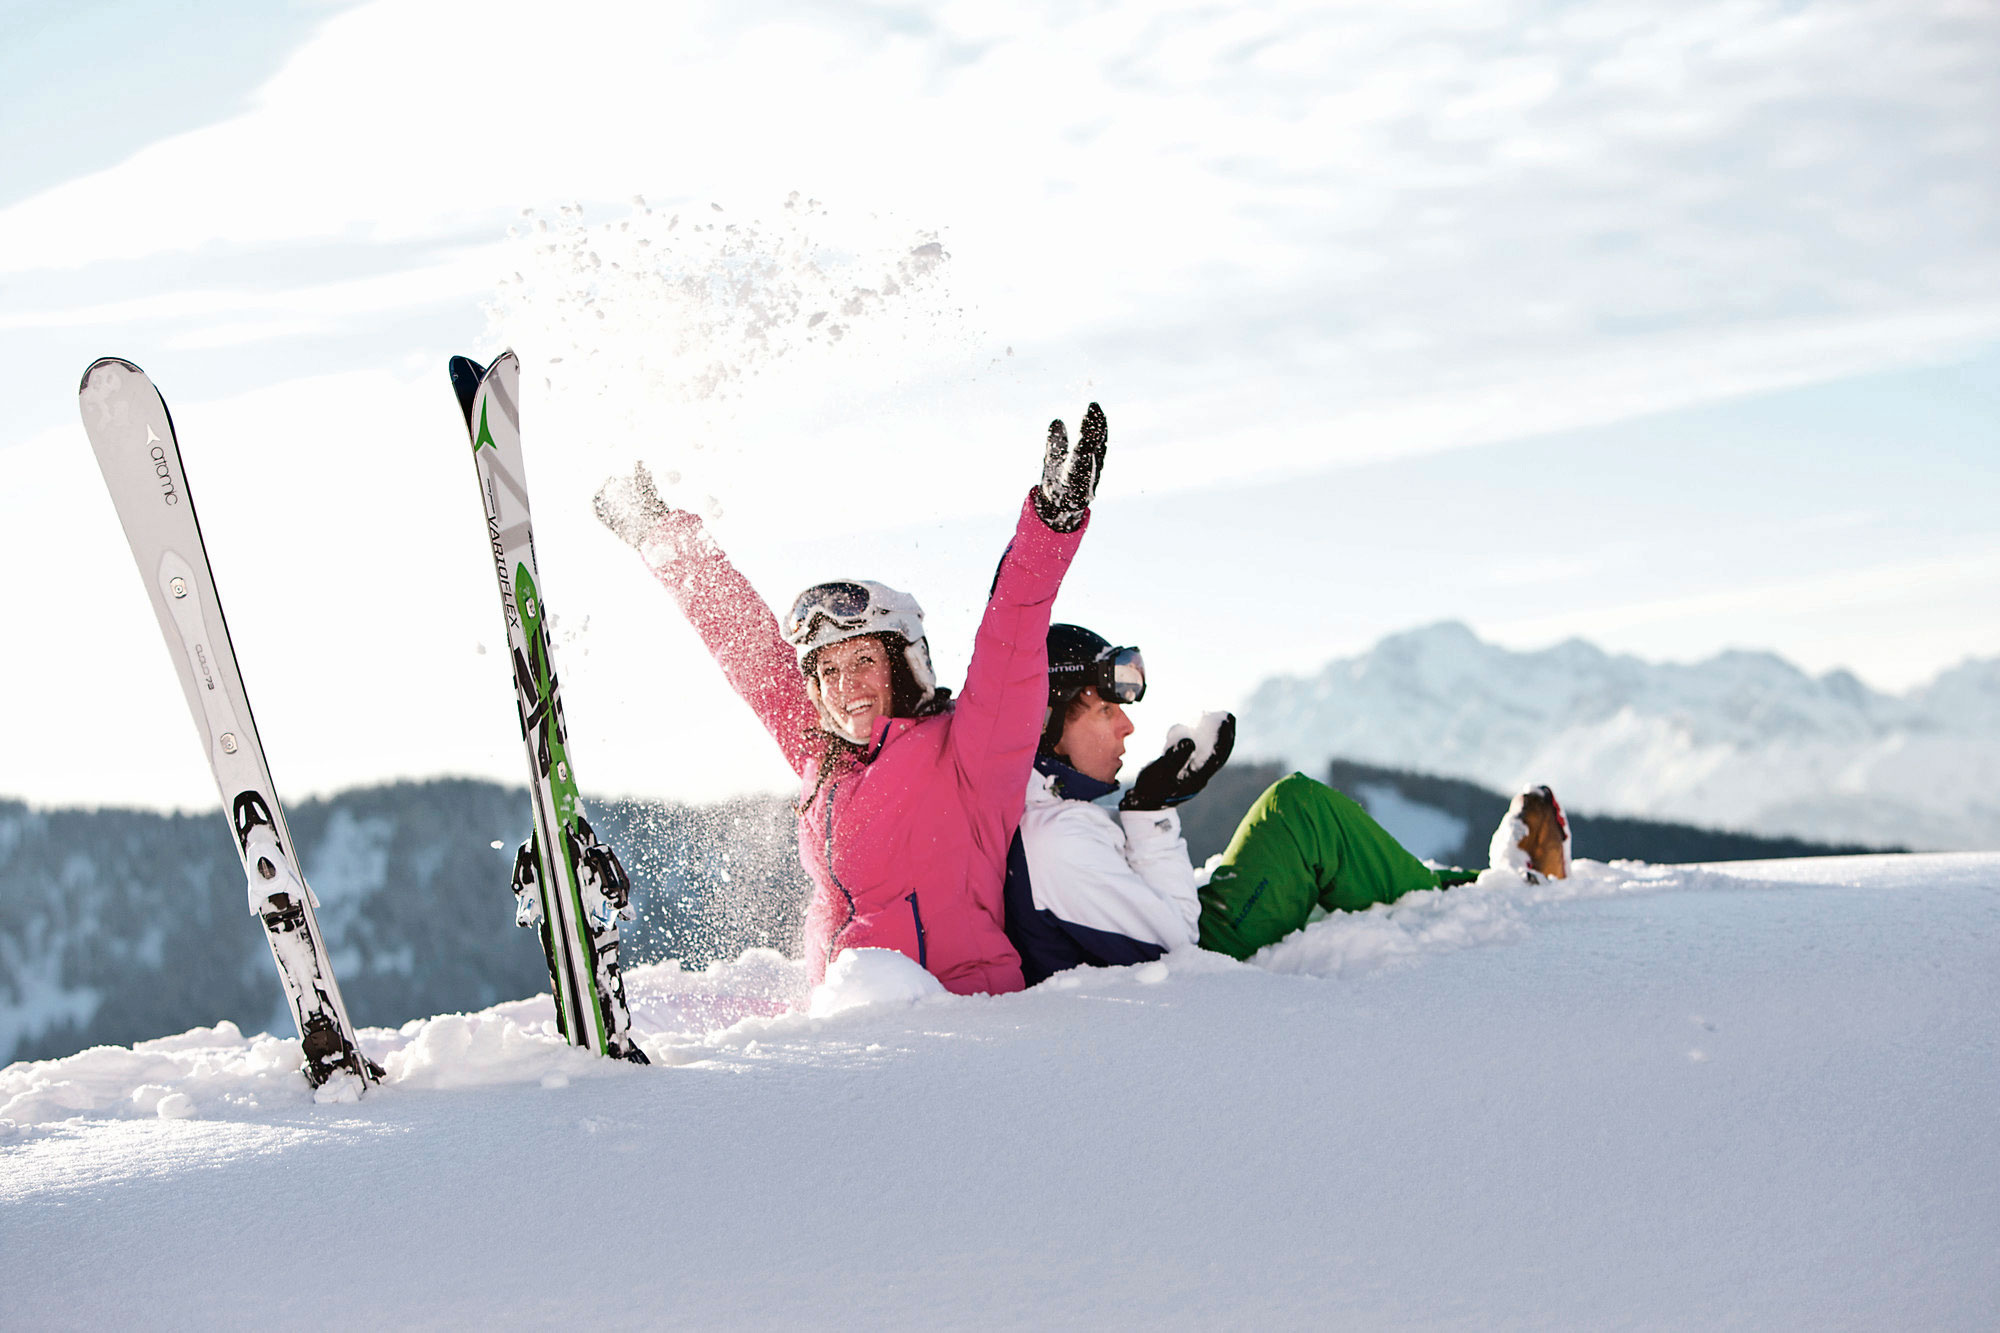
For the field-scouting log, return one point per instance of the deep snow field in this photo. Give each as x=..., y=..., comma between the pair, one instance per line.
x=1757, y=1095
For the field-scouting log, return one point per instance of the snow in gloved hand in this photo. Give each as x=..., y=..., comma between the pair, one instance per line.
x=1206, y=735
x=1190, y=759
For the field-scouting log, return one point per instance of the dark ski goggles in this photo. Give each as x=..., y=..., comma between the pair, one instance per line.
x=1118, y=675
x=843, y=603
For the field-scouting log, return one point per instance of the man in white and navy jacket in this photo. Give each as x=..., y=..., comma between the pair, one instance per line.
x=1087, y=884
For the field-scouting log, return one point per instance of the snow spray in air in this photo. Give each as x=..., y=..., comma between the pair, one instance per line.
x=712, y=344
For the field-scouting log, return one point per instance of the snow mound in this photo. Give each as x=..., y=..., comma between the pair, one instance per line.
x=478, y=1050
x=219, y=1074
x=1492, y=909
x=214, y=1069
x=861, y=978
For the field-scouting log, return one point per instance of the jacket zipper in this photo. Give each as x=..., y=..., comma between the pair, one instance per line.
x=834, y=936
x=918, y=917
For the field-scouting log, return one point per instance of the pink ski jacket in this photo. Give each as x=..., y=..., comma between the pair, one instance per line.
x=907, y=844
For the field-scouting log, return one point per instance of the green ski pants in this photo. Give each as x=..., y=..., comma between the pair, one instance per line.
x=1305, y=845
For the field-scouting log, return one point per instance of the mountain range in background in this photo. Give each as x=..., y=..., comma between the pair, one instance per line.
x=1743, y=741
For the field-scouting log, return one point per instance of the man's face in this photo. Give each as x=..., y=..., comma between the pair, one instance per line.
x=1093, y=736
x=854, y=685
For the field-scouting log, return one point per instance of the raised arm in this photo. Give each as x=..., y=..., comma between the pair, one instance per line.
x=732, y=620
x=1000, y=713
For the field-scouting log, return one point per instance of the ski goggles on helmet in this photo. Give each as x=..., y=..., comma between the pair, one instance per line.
x=829, y=612
x=845, y=604
x=1118, y=675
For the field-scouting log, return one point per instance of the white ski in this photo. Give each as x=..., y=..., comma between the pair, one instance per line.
x=133, y=437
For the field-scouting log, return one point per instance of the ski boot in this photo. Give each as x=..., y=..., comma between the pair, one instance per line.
x=1533, y=837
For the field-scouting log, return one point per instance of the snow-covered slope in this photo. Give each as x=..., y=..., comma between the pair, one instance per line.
x=1742, y=741
x=1648, y=1097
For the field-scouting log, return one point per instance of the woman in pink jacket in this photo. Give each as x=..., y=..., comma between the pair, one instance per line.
x=910, y=797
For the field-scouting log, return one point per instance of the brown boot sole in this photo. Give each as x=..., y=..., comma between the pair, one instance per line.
x=1546, y=826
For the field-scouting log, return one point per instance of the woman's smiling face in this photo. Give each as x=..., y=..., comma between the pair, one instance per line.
x=854, y=685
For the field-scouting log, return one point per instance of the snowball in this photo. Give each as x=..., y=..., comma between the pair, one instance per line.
x=175, y=1106
x=146, y=1097
x=1203, y=734
x=862, y=977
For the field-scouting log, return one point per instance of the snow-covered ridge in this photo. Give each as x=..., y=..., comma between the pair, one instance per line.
x=1744, y=740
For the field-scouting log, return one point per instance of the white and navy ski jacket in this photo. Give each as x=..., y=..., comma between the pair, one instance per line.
x=1085, y=885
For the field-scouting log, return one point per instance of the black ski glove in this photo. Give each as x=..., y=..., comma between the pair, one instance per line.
x=1069, y=475
x=1174, y=777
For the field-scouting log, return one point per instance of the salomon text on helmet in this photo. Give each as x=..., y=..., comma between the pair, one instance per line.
x=1079, y=657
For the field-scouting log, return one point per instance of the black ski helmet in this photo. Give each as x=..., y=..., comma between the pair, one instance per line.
x=1079, y=657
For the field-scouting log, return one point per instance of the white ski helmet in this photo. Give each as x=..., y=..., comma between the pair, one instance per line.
x=849, y=608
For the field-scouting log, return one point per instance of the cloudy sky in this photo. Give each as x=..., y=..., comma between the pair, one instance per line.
x=1673, y=326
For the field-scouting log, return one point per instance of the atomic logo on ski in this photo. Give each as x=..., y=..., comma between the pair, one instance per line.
x=155, y=506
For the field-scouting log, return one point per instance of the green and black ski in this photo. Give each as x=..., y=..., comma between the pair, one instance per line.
x=567, y=884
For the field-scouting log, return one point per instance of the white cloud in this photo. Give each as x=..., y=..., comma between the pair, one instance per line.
x=467, y=272
x=1386, y=193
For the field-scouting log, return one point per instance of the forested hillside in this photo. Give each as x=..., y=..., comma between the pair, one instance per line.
x=118, y=925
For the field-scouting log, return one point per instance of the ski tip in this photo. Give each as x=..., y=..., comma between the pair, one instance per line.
x=465, y=377
x=100, y=364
